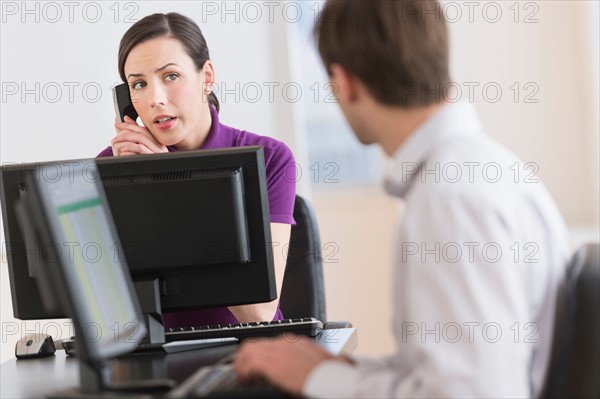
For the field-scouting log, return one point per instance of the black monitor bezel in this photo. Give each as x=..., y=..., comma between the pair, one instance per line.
x=27, y=303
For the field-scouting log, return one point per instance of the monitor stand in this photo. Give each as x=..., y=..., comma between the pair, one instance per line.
x=148, y=292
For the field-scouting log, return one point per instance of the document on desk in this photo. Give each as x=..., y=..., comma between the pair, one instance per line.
x=192, y=344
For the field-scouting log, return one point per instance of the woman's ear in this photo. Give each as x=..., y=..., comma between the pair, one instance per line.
x=344, y=84
x=208, y=80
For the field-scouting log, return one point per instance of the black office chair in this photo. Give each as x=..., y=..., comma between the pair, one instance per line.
x=574, y=370
x=302, y=293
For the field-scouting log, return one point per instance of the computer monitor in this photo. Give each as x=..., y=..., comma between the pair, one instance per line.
x=64, y=219
x=197, y=222
x=27, y=300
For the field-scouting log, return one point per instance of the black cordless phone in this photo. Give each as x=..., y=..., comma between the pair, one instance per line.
x=123, y=104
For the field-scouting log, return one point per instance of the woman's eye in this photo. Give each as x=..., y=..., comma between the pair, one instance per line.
x=138, y=85
x=171, y=76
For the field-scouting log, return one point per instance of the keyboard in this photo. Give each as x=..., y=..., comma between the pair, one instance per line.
x=308, y=326
x=220, y=381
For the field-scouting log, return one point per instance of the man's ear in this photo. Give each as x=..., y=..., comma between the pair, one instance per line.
x=209, y=76
x=345, y=85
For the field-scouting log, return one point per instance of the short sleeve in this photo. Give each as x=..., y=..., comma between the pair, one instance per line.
x=281, y=176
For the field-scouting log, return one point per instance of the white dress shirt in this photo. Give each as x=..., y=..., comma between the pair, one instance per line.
x=480, y=251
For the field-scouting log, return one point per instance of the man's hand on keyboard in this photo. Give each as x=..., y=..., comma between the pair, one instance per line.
x=284, y=362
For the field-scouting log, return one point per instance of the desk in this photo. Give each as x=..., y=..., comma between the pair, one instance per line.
x=35, y=378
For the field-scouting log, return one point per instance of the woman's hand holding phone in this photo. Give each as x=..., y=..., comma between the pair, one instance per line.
x=132, y=139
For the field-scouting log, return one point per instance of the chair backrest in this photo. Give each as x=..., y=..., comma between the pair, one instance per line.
x=302, y=293
x=574, y=370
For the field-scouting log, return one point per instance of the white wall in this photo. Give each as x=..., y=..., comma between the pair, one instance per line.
x=51, y=55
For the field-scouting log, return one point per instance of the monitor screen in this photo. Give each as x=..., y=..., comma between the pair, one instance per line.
x=68, y=221
x=196, y=221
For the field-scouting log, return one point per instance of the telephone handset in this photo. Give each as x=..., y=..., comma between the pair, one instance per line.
x=123, y=104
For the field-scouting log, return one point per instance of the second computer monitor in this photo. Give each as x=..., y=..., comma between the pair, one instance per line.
x=77, y=269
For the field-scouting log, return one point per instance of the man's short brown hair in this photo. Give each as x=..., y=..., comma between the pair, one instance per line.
x=398, y=49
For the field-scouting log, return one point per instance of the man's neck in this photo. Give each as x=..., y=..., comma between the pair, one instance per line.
x=394, y=125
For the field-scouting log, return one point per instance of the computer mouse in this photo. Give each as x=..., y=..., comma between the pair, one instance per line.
x=35, y=345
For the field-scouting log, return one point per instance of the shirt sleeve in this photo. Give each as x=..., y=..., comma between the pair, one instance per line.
x=460, y=319
x=281, y=184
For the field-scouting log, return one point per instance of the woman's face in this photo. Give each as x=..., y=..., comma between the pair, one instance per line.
x=168, y=93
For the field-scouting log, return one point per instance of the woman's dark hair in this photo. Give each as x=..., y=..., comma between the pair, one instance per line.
x=172, y=25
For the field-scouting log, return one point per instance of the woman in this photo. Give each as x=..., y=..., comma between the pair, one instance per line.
x=165, y=61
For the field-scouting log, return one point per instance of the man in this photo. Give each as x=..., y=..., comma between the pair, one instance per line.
x=480, y=248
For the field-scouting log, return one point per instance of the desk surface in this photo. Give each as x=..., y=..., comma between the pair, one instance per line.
x=35, y=378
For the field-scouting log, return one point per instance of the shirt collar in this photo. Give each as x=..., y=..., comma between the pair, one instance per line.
x=215, y=128
x=450, y=121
